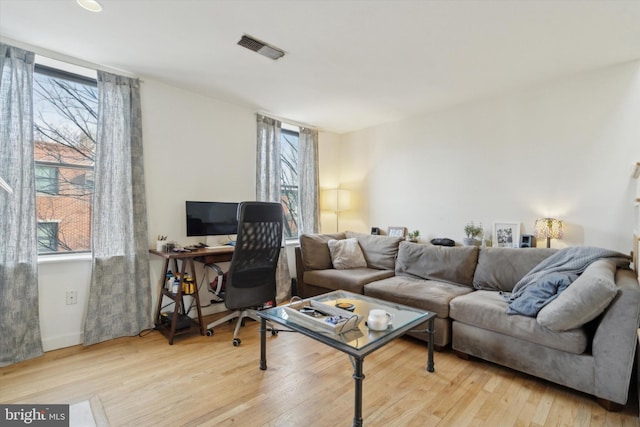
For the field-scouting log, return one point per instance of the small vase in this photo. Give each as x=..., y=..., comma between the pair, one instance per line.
x=470, y=242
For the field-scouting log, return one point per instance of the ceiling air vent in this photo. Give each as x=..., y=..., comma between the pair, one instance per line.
x=261, y=47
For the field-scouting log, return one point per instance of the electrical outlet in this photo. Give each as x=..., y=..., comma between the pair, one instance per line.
x=72, y=297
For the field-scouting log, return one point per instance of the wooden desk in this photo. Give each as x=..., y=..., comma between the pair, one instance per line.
x=206, y=256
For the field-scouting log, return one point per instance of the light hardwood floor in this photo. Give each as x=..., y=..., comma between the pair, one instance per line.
x=205, y=381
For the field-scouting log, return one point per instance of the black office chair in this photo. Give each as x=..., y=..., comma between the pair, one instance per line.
x=251, y=279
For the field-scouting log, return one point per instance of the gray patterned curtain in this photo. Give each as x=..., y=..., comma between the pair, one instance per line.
x=120, y=294
x=308, y=181
x=268, y=167
x=19, y=320
x=268, y=171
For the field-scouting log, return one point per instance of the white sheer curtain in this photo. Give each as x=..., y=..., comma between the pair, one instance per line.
x=19, y=320
x=120, y=294
x=308, y=182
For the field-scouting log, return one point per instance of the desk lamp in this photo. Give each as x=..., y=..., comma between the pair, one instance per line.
x=549, y=228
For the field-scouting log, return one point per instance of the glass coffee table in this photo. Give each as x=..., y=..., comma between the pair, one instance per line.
x=357, y=342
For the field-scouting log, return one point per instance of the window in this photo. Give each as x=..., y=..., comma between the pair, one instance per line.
x=289, y=180
x=46, y=179
x=65, y=123
x=47, y=237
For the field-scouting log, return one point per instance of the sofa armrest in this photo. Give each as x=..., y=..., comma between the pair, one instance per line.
x=615, y=340
x=299, y=270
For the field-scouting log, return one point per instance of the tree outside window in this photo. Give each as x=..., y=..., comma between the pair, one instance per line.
x=289, y=181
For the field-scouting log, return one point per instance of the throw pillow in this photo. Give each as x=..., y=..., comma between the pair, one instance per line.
x=346, y=254
x=584, y=300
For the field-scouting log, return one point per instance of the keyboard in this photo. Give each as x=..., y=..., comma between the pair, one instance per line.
x=217, y=247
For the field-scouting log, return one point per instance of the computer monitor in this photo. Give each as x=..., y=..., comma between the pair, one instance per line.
x=211, y=218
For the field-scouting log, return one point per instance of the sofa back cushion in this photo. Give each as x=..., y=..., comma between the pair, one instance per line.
x=499, y=269
x=448, y=264
x=379, y=251
x=315, y=250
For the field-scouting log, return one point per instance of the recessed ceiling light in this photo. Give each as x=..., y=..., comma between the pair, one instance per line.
x=91, y=5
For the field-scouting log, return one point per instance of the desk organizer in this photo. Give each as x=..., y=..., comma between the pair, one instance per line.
x=325, y=316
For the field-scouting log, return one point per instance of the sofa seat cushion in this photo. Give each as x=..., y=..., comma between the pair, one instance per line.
x=430, y=295
x=487, y=310
x=352, y=280
x=454, y=265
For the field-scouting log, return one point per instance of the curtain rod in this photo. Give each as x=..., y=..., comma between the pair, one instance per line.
x=289, y=121
x=64, y=58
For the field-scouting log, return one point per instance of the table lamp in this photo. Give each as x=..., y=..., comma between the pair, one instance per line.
x=549, y=228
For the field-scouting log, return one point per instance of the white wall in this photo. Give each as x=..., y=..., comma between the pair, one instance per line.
x=563, y=148
x=61, y=325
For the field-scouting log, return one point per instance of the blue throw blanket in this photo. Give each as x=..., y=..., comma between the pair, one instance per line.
x=553, y=275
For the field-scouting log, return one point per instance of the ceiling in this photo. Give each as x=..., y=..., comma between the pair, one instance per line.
x=349, y=64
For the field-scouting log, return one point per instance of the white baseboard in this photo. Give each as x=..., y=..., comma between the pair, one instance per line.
x=62, y=341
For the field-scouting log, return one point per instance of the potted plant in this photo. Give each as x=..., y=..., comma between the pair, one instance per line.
x=472, y=232
x=413, y=236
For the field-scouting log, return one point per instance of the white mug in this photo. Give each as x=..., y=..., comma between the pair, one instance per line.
x=379, y=320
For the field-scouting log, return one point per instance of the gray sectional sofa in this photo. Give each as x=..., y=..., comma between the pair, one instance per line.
x=584, y=339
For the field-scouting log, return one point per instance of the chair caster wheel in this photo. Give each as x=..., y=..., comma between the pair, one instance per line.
x=274, y=332
x=209, y=332
x=236, y=342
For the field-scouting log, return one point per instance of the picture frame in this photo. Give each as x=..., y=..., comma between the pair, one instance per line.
x=506, y=234
x=397, y=231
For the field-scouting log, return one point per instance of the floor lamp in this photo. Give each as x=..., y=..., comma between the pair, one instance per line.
x=337, y=200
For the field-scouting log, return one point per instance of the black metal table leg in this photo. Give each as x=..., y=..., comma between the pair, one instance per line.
x=263, y=344
x=432, y=334
x=358, y=376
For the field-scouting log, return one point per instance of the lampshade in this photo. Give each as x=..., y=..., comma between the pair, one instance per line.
x=549, y=228
x=336, y=200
